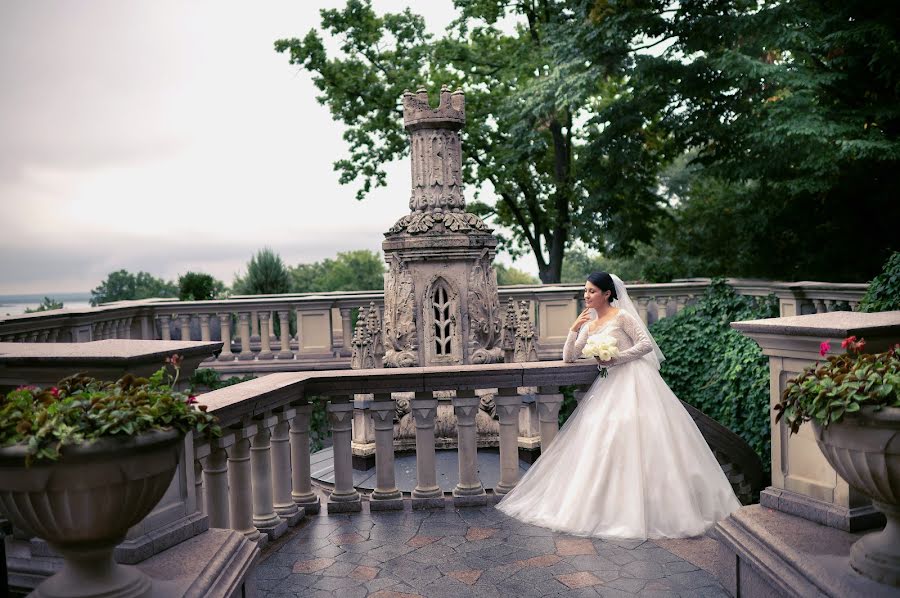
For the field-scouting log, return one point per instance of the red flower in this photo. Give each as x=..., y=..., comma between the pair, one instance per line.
x=55, y=392
x=824, y=348
x=191, y=400
x=858, y=348
x=848, y=342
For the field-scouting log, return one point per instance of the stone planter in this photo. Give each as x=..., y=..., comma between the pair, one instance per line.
x=865, y=451
x=84, y=504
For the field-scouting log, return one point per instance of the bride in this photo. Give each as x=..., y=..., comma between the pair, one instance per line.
x=629, y=462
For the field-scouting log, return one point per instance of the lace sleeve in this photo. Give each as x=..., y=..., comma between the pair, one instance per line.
x=575, y=342
x=642, y=344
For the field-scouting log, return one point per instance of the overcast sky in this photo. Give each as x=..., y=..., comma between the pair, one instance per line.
x=169, y=136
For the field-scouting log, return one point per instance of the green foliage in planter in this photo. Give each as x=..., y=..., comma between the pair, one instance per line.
x=80, y=409
x=715, y=368
x=883, y=293
x=827, y=392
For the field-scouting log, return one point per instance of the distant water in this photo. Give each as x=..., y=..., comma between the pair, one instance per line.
x=13, y=305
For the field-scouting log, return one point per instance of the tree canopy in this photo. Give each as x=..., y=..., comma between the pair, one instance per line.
x=359, y=270
x=730, y=137
x=197, y=286
x=266, y=275
x=529, y=146
x=123, y=285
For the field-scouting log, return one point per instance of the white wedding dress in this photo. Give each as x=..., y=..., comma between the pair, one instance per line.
x=629, y=462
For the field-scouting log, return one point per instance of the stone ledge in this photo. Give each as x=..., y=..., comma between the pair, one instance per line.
x=817, y=511
x=777, y=554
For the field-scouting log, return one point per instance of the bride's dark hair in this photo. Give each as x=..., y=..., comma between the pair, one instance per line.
x=604, y=282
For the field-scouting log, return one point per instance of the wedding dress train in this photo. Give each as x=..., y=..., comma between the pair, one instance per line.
x=629, y=462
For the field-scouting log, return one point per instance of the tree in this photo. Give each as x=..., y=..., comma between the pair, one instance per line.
x=122, y=285
x=46, y=305
x=507, y=275
x=528, y=140
x=266, y=275
x=359, y=270
x=790, y=114
x=196, y=286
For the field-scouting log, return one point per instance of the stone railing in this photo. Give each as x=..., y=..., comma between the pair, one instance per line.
x=256, y=478
x=313, y=330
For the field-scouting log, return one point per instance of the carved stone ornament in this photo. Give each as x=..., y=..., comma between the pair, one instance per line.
x=508, y=342
x=399, y=317
x=375, y=332
x=362, y=357
x=439, y=221
x=484, y=313
x=526, y=349
x=442, y=325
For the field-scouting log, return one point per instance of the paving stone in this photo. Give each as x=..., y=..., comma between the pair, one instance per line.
x=678, y=567
x=540, y=561
x=582, y=579
x=348, y=538
x=328, y=551
x=574, y=546
x=467, y=576
x=296, y=582
x=271, y=571
x=594, y=563
x=693, y=579
x=364, y=573
x=339, y=569
x=607, y=592
x=654, y=553
x=364, y=546
x=312, y=565
x=627, y=584
x=394, y=594
x=452, y=541
x=335, y=583
x=480, y=533
x=381, y=583
x=644, y=570
x=419, y=541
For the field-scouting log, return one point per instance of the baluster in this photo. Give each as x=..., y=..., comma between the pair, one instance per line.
x=254, y=324
x=43, y=336
x=225, y=327
x=301, y=484
x=265, y=350
x=32, y=337
x=643, y=302
x=198, y=485
x=204, y=328
x=549, y=401
x=345, y=498
x=661, y=303
x=164, y=332
x=215, y=480
x=281, y=470
x=185, y=321
x=854, y=305
x=680, y=302
x=240, y=497
x=508, y=404
x=54, y=335
x=469, y=490
x=830, y=305
x=386, y=495
x=127, y=331
x=120, y=328
x=265, y=519
x=427, y=493
x=285, y=324
x=246, y=353
x=346, y=331
x=819, y=305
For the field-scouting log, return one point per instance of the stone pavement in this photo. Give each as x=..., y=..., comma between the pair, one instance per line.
x=457, y=553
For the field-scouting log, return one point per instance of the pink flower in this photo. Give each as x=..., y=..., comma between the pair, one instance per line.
x=55, y=392
x=860, y=346
x=824, y=348
x=847, y=342
x=191, y=400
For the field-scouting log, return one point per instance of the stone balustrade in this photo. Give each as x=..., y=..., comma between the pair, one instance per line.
x=255, y=479
x=309, y=331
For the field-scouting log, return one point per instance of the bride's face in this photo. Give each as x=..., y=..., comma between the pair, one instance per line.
x=593, y=296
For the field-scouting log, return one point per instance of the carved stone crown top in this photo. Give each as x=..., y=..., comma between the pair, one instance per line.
x=418, y=113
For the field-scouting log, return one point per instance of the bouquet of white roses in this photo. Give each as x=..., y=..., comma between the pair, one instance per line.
x=603, y=348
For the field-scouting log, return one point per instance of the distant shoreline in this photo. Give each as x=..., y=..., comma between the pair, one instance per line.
x=14, y=305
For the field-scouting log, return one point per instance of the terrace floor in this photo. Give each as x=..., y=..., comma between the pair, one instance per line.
x=460, y=552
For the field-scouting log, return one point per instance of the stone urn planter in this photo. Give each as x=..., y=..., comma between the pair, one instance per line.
x=84, y=503
x=865, y=450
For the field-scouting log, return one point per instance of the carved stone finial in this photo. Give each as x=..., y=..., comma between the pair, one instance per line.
x=525, y=349
x=508, y=340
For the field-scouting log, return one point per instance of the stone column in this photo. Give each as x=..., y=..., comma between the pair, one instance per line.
x=204, y=327
x=469, y=490
x=854, y=306
x=680, y=302
x=830, y=304
x=265, y=350
x=549, y=401
x=345, y=498
x=215, y=479
x=386, y=495
x=225, y=326
x=346, y=331
x=281, y=470
x=185, y=321
x=427, y=493
x=508, y=403
x=254, y=327
x=661, y=303
x=285, y=324
x=301, y=484
x=240, y=496
x=264, y=517
x=246, y=353
x=642, y=303
x=820, y=306
x=164, y=332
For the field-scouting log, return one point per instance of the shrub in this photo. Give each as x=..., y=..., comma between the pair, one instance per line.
x=715, y=368
x=883, y=293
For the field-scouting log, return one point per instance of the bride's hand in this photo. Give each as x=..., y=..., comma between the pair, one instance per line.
x=581, y=320
x=605, y=364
